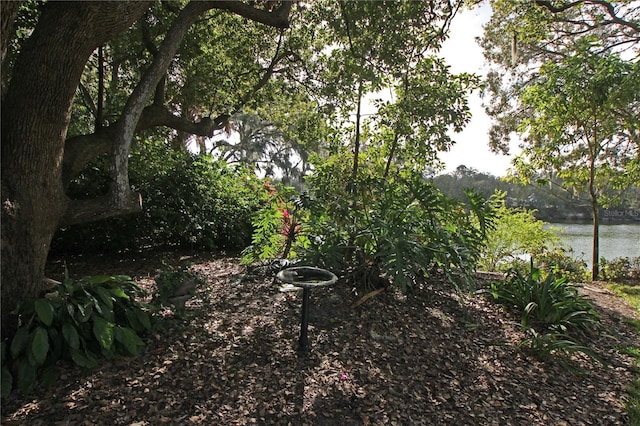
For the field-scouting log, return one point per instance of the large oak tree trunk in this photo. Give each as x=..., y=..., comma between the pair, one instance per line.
x=35, y=119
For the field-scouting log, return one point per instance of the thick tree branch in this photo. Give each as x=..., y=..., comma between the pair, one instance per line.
x=154, y=116
x=279, y=18
x=83, y=211
x=605, y=4
x=137, y=115
x=80, y=150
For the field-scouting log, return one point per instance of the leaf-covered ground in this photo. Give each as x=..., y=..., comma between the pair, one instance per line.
x=425, y=359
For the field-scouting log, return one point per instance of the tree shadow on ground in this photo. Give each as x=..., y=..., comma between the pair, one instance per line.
x=426, y=359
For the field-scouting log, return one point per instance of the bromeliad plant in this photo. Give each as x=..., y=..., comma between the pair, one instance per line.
x=81, y=321
x=277, y=227
x=552, y=313
x=549, y=304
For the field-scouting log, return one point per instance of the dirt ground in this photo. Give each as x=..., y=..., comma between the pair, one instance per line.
x=430, y=358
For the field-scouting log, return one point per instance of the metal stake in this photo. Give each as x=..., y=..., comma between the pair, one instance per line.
x=304, y=324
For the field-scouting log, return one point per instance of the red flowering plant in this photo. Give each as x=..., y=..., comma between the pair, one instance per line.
x=290, y=230
x=276, y=227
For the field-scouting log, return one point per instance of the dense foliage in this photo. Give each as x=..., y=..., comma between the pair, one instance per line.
x=79, y=321
x=189, y=200
x=375, y=231
x=621, y=269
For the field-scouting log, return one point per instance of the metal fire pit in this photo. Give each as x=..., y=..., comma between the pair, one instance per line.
x=307, y=278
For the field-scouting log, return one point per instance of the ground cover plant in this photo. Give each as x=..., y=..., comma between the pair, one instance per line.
x=555, y=317
x=79, y=321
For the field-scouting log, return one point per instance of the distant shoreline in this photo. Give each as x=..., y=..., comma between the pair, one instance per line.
x=609, y=216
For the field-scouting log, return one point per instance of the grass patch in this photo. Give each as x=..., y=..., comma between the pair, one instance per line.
x=630, y=293
x=633, y=323
x=633, y=402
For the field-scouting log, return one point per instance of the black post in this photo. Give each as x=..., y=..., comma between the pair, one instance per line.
x=304, y=325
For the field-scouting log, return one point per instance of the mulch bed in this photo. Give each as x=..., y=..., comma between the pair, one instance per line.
x=231, y=358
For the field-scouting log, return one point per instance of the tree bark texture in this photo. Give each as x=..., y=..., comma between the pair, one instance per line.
x=35, y=119
x=8, y=12
x=37, y=163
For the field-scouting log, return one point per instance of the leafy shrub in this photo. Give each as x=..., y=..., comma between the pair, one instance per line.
x=550, y=303
x=516, y=233
x=620, y=269
x=551, y=312
x=560, y=263
x=188, y=200
x=380, y=229
x=374, y=230
x=79, y=321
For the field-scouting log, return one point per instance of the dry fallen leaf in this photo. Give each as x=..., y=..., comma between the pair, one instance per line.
x=231, y=359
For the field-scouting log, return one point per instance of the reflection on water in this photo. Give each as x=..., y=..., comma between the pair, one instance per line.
x=615, y=240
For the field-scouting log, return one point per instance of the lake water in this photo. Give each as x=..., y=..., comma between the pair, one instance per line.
x=615, y=240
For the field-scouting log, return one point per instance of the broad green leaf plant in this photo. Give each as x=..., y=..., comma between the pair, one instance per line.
x=80, y=321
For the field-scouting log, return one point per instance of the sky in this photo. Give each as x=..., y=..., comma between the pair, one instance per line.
x=463, y=54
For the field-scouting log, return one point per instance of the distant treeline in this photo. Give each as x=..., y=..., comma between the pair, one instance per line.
x=551, y=202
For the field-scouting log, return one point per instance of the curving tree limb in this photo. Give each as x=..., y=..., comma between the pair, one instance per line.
x=607, y=5
x=137, y=116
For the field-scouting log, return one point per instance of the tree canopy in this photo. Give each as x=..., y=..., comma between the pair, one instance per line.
x=82, y=80
x=565, y=79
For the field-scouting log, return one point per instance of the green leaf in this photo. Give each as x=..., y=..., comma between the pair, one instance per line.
x=40, y=345
x=118, y=292
x=44, y=310
x=49, y=375
x=98, y=279
x=7, y=382
x=144, y=319
x=26, y=377
x=71, y=335
x=83, y=359
x=103, y=331
x=105, y=296
x=19, y=342
x=129, y=339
